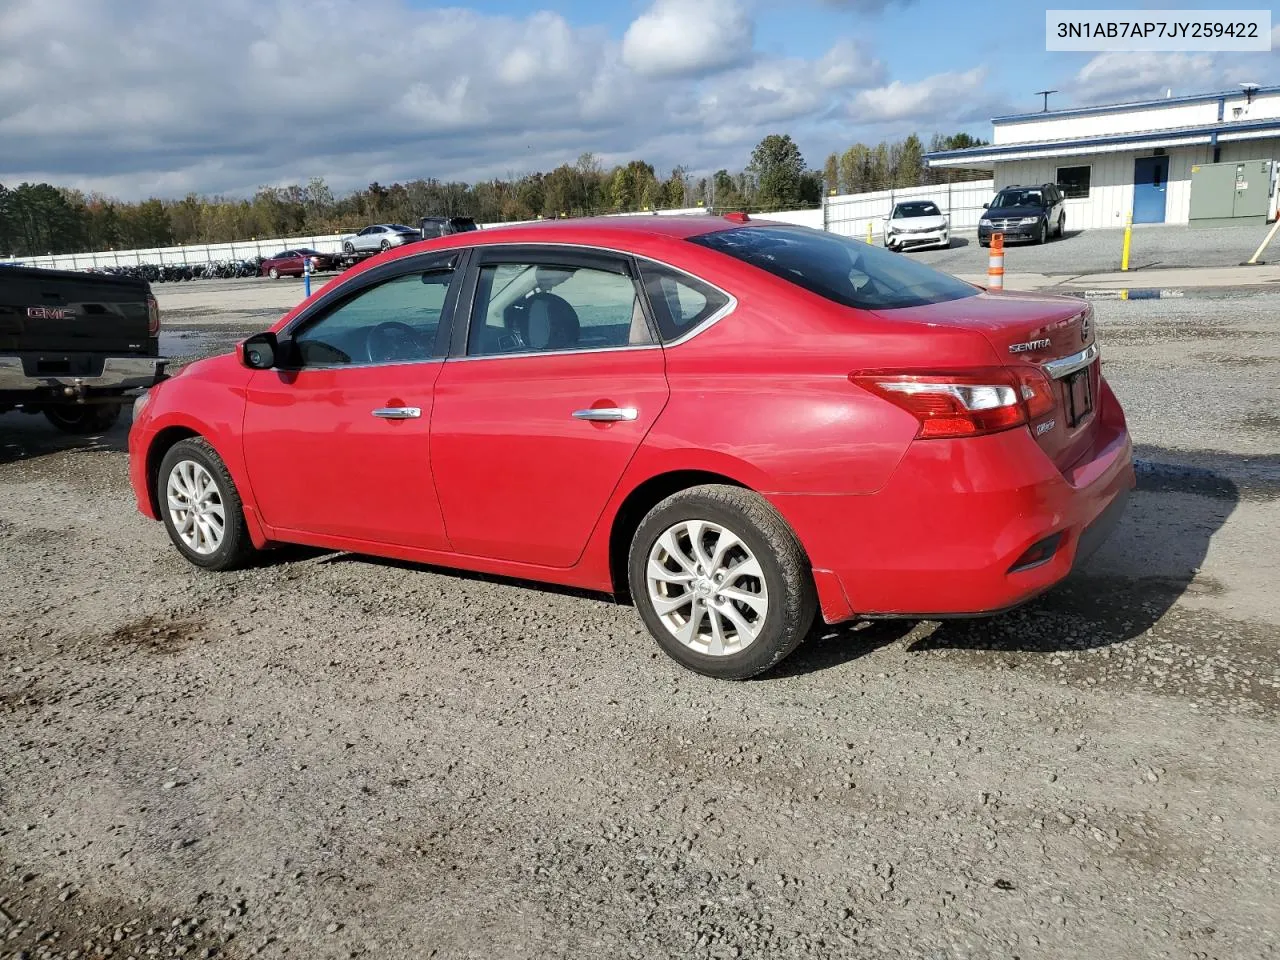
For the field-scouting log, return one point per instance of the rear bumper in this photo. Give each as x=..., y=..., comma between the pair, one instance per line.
x=23, y=375
x=949, y=533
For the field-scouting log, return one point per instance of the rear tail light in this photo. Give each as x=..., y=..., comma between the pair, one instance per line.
x=967, y=404
x=153, y=316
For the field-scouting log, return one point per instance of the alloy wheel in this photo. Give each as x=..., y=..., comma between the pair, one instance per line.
x=196, y=507
x=707, y=588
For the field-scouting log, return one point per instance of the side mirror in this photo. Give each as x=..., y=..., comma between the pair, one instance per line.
x=260, y=351
x=986, y=206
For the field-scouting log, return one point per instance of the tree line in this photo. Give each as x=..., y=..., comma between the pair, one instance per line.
x=39, y=218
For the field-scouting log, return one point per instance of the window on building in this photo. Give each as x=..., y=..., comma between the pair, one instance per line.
x=1074, y=181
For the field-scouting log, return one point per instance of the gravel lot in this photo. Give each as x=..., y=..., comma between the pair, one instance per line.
x=325, y=756
x=1154, y=246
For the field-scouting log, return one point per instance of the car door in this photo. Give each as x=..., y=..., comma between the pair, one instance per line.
x=364, y=240
x=337, y=440
x=543, y=402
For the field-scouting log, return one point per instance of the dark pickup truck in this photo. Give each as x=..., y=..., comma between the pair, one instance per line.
x=74, y=345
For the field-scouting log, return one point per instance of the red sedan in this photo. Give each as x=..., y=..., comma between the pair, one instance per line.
x=741, y=425
x=289, y=263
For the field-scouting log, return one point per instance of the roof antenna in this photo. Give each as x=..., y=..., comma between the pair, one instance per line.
x=1045, y=94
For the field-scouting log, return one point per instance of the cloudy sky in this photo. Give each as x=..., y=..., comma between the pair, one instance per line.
x=160, y=97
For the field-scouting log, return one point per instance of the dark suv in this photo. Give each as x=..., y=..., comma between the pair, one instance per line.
x=1024, y=213
x=443, y=226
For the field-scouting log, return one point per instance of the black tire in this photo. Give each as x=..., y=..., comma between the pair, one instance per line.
x=1043, y=235
x=787, y=577
x=386, y=245
x=84, y=419
x=236, y=548
x=348, y=247
x=983, y=243
x=1062, y=226
x=273, y=273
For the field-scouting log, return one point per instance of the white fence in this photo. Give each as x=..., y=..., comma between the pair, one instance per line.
x=191, y=253
x=850, y=215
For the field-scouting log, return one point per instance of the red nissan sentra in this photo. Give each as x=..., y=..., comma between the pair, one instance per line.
x=742, y=425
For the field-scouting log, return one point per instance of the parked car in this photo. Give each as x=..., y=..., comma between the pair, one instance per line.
x=1024, y=213
x=290, y=263
x=74, y=345
x=380, y=236
x=432, y=227
x=916, y=223
x=739, y=424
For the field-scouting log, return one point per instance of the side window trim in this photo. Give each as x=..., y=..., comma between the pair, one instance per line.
x=731, y=303
x=435, y=262
x=593, y=258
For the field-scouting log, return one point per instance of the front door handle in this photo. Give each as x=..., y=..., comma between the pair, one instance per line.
x=398, y=413
x=606, y=414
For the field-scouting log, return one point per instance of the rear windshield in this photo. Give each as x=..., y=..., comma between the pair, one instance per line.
x=846, y=271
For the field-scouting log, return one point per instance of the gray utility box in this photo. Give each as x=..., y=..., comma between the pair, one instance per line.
x=1226, y=193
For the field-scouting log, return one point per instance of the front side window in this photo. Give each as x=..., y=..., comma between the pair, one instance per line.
x=843, y=270
x=537, y=307
x=680, y=302
x=395, y=321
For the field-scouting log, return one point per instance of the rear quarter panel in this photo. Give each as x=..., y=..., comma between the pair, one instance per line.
x=766, y=389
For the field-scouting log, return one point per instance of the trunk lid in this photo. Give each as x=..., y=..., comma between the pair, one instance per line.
x=63, y=312
x=1042, y=331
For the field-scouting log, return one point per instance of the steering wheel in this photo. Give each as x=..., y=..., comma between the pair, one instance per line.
x=393, y=340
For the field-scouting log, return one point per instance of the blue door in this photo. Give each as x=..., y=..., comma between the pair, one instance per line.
x=1150, y=182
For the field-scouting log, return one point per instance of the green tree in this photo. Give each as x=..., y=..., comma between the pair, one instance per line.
x=909, y=171
x=777, y=166
x=831, y=173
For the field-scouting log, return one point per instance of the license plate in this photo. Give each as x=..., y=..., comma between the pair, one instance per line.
x=1079, y=396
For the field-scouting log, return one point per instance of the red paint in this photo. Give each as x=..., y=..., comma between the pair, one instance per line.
x=498, y=476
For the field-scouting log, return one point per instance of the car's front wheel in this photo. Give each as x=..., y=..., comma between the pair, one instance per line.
x=201, y=508
x=1043, y=235
x=721, y=581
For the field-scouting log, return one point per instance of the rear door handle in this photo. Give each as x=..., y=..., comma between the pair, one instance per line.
x=606, y=414
x=398, y=413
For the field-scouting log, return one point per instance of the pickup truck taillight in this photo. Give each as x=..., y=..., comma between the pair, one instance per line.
x=153, y=316
x=966, y=404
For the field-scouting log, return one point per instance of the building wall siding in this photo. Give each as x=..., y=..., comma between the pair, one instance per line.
x=1111, y=184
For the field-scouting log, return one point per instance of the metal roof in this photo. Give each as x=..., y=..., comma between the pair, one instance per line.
x=1133, y=105
x=1204, y=132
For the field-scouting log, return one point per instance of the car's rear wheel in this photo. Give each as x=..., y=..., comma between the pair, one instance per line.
x=721, y=581
x=1062, y=226
x=81, y=419
x=386, y=245
x=201, y=508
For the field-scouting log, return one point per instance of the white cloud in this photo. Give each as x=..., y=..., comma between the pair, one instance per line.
x=687, y=37
x=1113, y=77
x=934, y=98
x=223, y=98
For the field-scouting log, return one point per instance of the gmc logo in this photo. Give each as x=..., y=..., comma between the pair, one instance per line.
x=50, y=313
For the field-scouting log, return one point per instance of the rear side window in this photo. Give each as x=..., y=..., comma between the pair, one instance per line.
x=680, y=302
x=845, y=271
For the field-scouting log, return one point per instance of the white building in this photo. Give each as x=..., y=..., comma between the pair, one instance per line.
x=1110, y=160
